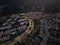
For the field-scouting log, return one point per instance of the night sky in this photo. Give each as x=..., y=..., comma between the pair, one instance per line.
x=24, y=5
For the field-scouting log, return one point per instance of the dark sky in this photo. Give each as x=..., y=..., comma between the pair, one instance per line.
x=51, y=5
x=23, y=5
